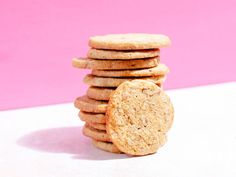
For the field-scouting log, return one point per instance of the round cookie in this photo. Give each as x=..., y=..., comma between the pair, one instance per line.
x=86, y=63
x=122, y=55
x=136, y=41
x=160, y=69
x=106, y=146
x=92, y=117
x=99, y=93
x=138, y=116
x=90, y=105
x=115, y=82
x=97, y=125
x=96, y=134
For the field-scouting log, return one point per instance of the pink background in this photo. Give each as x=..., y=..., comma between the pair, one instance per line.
x=38, y=38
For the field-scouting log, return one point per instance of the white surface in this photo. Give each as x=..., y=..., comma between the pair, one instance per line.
x=47, y=141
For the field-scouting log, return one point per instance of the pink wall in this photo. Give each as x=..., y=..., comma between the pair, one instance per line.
x=38, y=38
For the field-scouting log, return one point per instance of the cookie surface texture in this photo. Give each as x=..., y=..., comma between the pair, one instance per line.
x=136, y=41
x=90, y=105
x=92, y=117
x=93, y=133
x=99, y=93
x=97, y=125
x=114, y=82
x=138, y=116
x=106, y=146
x=86, y=63
x=160, y=69
x=123, y=55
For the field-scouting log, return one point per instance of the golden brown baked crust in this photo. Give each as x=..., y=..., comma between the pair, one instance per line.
x=106, y=146
x=97, y=125
x=134, y=41
x=138, y=116
x=92, y=117
x=115, y=82
x=90, y=105
x=99, y=93
x=160, y=69
x=96, y=134
x=86, y=63
x=122, y=55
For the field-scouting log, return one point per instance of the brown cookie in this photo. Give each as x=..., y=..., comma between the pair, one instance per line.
x=97, y=125
x=106, y=146
x=160, y=69
x=115, y=82
x=138, y=116
x=122, y=55
x=99, y=93
x=92, y=117
x=129, y=41
x=86, y=63
x=90, y=105
x=96, y=134
x=102, y=93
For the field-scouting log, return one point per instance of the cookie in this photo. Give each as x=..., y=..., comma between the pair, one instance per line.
x=92, y=117
x=97, y=126
x=93, y=133
x=115, y=82
x=160, y=69
x=129, y=41
x=86, y=63
x=122, y=55
x=106, y=146
x=90, y=105
x=99, y=93
x=138, y=116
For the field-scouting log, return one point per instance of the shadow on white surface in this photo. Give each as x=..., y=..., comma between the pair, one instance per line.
x=65, y=140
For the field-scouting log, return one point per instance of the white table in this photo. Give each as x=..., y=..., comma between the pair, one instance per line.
x=47, y=141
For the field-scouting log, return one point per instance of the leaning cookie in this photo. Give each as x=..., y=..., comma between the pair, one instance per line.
x=106, y=146
x=160, y=69
x=96, y=134
x=122, y=55
x=90, y=105
x=138, y=116
x=115, y=82
x=86, y=63
x=129, y=41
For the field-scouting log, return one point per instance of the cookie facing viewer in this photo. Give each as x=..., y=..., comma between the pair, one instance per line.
x=139, y=114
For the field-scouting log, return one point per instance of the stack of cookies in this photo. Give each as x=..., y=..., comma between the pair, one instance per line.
x=125, y=110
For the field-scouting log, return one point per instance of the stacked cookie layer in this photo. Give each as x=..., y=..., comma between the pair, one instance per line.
x=113, y=60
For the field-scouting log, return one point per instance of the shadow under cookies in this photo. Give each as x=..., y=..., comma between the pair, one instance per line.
x=66, y=140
